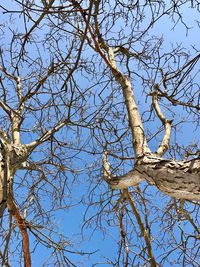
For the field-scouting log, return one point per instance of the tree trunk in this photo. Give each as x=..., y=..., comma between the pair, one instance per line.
x=3, y=178
x=11, y=158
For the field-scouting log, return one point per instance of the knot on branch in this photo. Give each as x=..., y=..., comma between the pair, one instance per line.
x=18, y=154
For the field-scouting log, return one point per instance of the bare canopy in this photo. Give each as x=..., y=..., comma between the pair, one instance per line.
x=99, y=142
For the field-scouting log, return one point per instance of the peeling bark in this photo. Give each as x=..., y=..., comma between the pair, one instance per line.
x=22, y=224
x=18, y=155
x=11, y=157
x=179, y=179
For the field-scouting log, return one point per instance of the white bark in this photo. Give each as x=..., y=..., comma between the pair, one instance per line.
x=135, y=122
x=167, y=124
x=179, y=179
x=11, y=158
x=3, y=179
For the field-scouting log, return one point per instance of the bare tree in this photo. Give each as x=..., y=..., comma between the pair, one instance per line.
x=91, y=97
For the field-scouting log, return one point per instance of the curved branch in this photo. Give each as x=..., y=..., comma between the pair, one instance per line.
x=132, y=178
x=138, y=136
x=167, y=124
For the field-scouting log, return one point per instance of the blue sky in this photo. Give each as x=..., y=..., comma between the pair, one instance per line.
x=101, y=235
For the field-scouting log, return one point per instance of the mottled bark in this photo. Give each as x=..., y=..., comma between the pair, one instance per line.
x=11, y=158
x=3, y=178
x=179, y=179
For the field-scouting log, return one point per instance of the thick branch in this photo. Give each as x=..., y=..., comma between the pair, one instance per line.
x=179, y=179
x=132, y=178
x=7, y=199
x=21, y=223
x=135, y=122
x=139, y=139
x=16, y=129
x=4, y=137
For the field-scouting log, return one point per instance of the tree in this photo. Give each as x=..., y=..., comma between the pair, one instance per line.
x=91, y=97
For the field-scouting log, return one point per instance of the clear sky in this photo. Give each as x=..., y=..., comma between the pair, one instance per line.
x=102, y=234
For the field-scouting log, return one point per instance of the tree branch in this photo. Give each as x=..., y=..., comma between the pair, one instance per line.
x=22, y=225
x=132, y=178
x=4, y=137
x=45, y=136
x=142, y=228
x=179, y=179
x=167, y=124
